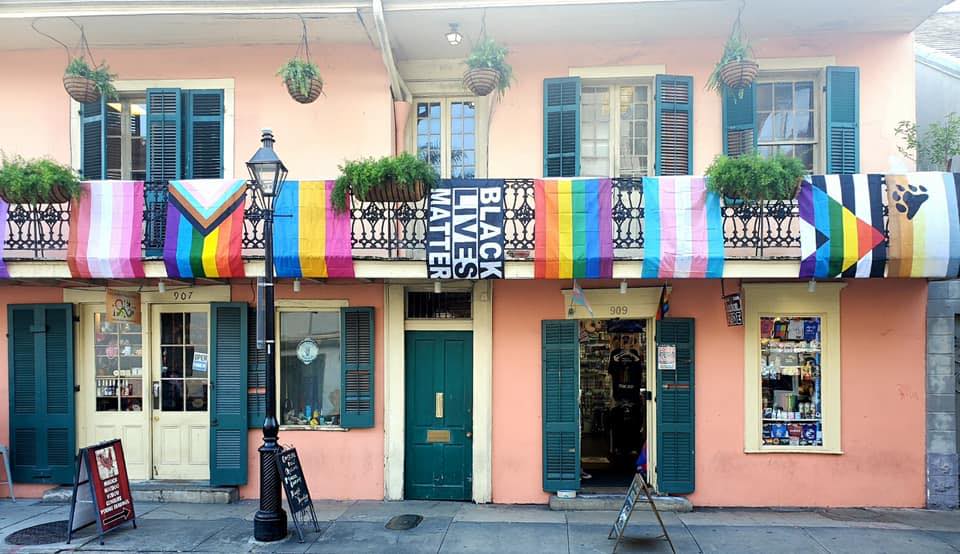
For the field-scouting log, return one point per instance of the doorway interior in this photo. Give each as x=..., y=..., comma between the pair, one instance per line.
x=613, y=402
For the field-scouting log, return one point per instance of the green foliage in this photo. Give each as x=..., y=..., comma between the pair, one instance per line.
x=755, y=177
x=100, y=75
x=735, y=49
x=931, y=149
x=362, y=176
x=300, y=72
x=487, y=54
x=32, y=181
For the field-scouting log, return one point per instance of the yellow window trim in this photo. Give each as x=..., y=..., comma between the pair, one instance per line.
x=793, y=299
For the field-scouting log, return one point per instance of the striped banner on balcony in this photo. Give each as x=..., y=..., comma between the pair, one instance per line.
x=106, y=224
x=573, y=232
x=204, y=228
x=841, y=227
x=310, y=239
x=683, y=229
x=924, y=224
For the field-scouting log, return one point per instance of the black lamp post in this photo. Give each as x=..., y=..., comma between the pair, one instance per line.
x=270, y=522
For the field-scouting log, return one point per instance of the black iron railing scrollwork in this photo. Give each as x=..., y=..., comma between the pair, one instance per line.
x=398, y=230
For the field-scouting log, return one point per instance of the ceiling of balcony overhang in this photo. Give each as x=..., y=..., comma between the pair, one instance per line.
x=416, y=27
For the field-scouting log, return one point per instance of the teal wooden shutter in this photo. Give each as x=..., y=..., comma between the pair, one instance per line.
x=42, y=418
x=561, y=127
x=675, y=410
x=203, y=129
x=674, y=107
x=739, y=121
x=256, y=375
x=561, y=410
x=93, y=140
x=356, y=367
x=843, y=120
x=228, y=393
x=163, y=157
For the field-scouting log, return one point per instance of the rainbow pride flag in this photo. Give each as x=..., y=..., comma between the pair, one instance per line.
x=683, y=229
x=310, y=239
x=574, y=229
x=105, y=230
x=204, y=228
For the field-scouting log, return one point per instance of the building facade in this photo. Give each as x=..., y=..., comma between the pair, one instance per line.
x=393, y=386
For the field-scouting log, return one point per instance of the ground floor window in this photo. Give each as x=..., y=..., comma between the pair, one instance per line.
x=185, y=361
x=118, y=361
x=790, y=380
x=613, y=383
x=310, y=367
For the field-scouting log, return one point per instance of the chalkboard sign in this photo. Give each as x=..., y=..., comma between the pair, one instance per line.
x=637, y=486
x=295, y=485
x=101, y=490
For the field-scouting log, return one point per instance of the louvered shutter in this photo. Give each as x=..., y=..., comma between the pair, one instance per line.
x=843, y=120
x=93, y=140
x=739, y=121
x=163, y=160
x=674, y=125
x=41, y=379
x=675, y=410
x=203, y=127
x=228, y=393
x=356, y=363
x=561, y=410
x=561, y=127
x=256, y=375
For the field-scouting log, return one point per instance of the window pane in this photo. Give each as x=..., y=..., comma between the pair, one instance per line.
x=783, y=96
x=595, y=143
x=765, y=97
x=196, y=395
x=428, y=133
x=804, y=152
x=117, y=365
x=197, y=326
x=803, y=124
x=310, y=368
x=171, y=393
x=172, y=359
x=765, y=124
x=790, y=357
x=803, y=96
x=171, y=328
x=634, y=123
x=462, y=149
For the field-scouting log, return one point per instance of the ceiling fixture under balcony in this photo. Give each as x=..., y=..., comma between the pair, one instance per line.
x=453, y=36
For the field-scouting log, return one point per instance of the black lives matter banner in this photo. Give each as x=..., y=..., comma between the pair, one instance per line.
x=465, y=233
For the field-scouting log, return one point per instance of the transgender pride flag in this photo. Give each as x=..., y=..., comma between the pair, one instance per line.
x=683, y=229
x=105, y=229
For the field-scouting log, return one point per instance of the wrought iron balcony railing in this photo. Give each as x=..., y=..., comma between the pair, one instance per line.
x=398, y=230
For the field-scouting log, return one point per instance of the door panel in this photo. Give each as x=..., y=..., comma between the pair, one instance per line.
x=439, y=415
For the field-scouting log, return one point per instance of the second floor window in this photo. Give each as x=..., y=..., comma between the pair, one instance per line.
x=126, y=138
x=787, y=120
x=615, y=132
x=446, y=135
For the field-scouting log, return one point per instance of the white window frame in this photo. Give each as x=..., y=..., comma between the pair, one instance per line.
x=613, y=90
x=141, y=86
x=445, y=129
x=818, y=77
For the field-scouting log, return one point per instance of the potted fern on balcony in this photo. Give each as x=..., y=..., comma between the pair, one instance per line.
x=35, y=181
x=753, y=178
x=404, y=178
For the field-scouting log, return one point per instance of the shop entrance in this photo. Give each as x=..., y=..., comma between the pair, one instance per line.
x=613, y=407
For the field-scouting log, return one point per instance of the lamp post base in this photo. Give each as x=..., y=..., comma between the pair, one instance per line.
x=270, y=526
x=270, y=521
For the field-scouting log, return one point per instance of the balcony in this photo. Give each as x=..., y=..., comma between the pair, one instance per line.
x=398, y=231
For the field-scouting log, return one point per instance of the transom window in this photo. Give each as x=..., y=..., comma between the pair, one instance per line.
x=787, y=119
x=446, y=136
x=615, y=132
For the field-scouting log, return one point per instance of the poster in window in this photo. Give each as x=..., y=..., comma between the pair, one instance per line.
x=667, y=357
x=123, y=307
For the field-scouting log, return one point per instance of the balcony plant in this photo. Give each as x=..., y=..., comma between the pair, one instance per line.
x=87, y=84
x=934, y=148
x=40, y=180
x=302, y=78
x=736, y=69
x=487, y=68
x=755, y=178
x=404, y=178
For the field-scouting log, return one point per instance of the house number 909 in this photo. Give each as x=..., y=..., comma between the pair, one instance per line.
x=618, y=310
x=182, y=296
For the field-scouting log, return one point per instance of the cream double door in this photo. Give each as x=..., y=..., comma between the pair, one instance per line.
x=149, y=386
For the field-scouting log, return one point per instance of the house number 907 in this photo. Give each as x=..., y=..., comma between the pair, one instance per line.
x=618, y=310
x=182, y=296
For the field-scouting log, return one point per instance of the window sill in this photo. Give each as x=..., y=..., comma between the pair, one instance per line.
x=792, y=450
x=312, y=428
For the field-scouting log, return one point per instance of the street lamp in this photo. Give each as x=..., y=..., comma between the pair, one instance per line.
x=270, y=522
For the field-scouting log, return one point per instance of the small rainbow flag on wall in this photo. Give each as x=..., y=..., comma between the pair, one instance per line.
x=574, y=229
x=204, y=228
x=310, y=239
x=105, y=223
x=683, y=229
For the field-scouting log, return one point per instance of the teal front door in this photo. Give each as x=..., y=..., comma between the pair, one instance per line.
x=439, y=415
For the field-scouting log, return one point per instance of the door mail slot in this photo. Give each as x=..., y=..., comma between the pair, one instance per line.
x=438, y=435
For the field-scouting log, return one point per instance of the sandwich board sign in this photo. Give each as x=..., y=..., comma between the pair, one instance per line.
x=638, y=486
x=295, y=485
x=101, y=490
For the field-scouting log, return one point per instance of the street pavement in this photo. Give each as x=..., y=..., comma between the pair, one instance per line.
x=462, y=527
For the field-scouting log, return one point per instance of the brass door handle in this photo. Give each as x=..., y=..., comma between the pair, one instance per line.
x=438, y=405
x=469, y=434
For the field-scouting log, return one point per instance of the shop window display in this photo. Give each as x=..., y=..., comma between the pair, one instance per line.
x=184, y=376
x=790, y=372
x=310, y=368
x=118, y=359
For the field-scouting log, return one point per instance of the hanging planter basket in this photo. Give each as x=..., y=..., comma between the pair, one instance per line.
x=316, y=87
x=81, y=89
x=481, y=81
x=391, y=191
x=739, y=74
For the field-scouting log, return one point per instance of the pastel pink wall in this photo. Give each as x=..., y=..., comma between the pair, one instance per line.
x=18, y=295
x=351, y=120
x=337, y=465
x=882, y=391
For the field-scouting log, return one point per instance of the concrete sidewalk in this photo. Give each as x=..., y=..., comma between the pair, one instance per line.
x=459, y=527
